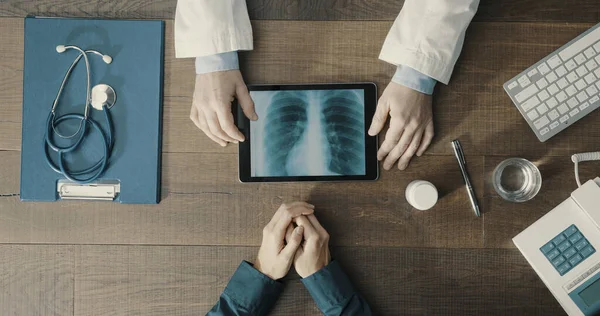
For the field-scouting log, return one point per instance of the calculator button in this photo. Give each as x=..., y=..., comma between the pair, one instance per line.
x=569, y=252
x=553, y=254
x=587, y=251
x=564, y=268
x=564, y=246
x=558, y=261
x=575, y=260
x=582, y=244
x=570, y=231
x=575, y=238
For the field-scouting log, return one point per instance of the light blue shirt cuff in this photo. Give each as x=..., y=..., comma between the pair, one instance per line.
x=217, y=62
x=413, y=79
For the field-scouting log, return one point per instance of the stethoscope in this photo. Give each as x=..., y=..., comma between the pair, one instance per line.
x=101, y=97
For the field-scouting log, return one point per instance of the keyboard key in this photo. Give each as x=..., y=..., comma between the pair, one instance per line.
x=590, y=78
x=542, y=83
x=533, y=114
x=587, y=251
x=544, y=131
x=564, y=246
x=541, y=122
x=530, y=104
x=563, y=108
x=571, y=90
x=597, y=72
x=561, y=71
x=542, y=108
x=581, y=71
x=552, y=89
x=591, y=65
x=554, y=61
x=526, y=93
x=543, y=68
x=580, y=59
x=572, y=103
x=562, y=83
x=597, y=47
x=532, y=72
x=552, y=103
x=574, y=112
x=580, y=85
x=524, y=81
x=512, y=85
x=569, y=252
x=589, y=53
x=584, y=106
x=575, y=260
x=564, y=268
x=582, y=244
x=554, y=125
x=582, y=96
x=572, y=77
x=591, y=90
x=543, y=95
x=558, y=261
x=551, y=77
x=553, y=116
x=594, y=99
x=570, y=65
x=570, y=231
x=561, y=96
x=575, y=238
x=564, y=119
x=553, y=254
x=597, y=58
x=598, y=83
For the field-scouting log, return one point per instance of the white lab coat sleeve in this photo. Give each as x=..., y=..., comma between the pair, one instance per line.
x=208, y=27
x=428, y=36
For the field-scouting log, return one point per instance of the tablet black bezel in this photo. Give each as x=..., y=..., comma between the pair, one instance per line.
x=372, y=166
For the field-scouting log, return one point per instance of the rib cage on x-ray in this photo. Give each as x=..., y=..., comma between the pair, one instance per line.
x=315, y=132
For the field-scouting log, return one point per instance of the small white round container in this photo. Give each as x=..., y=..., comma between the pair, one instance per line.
x=421, y=195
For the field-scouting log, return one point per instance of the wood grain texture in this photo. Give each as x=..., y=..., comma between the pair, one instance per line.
x=204, y=204
x=504, y=220
x=140, y=280
x=473, y=107
x=36, y=280
x=322, y=10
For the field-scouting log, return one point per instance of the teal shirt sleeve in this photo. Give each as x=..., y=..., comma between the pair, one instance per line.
x=249, y=292
x=217, y=62
x=413, y=79
x=334, y=294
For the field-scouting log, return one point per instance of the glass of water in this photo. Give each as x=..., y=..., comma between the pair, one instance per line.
x=517, y=180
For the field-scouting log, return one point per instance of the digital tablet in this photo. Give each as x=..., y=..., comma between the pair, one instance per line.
x=315, y=132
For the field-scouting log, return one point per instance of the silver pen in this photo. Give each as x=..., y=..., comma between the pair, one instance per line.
x=460, y=156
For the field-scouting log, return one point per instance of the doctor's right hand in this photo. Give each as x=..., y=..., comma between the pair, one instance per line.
x=211, y=106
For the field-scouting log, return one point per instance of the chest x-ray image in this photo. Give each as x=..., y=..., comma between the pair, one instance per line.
x=308, y=133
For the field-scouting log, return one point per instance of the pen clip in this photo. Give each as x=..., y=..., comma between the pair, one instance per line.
x=459, y=151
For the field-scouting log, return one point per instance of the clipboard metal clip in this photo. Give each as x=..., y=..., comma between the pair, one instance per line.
x=98, y=191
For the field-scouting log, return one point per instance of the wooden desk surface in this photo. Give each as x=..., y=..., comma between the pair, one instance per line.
x=81, y=258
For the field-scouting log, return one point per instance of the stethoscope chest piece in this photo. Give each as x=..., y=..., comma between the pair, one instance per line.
x=103, y=95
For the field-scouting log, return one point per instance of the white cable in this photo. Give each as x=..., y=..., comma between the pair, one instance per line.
x=577, y=158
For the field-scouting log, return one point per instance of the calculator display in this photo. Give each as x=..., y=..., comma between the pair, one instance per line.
x=591, y=294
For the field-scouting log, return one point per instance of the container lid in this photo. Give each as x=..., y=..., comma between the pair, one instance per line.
x=423, y=196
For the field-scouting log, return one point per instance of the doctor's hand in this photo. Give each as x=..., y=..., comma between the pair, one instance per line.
x=211, y=106
x=411, y=125
x=274, y=256
x=313, y=254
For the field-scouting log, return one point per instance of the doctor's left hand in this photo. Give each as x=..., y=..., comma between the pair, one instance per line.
x=211, y=105
x=411, y=124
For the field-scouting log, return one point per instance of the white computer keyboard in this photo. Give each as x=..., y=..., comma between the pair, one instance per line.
x=560, y=89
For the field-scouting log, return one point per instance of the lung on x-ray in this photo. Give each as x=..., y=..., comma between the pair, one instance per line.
x=308, y=133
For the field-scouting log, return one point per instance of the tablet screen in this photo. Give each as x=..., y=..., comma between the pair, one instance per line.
x=308, y=133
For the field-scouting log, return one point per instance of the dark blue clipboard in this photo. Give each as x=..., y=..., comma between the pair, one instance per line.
x=136, y=74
